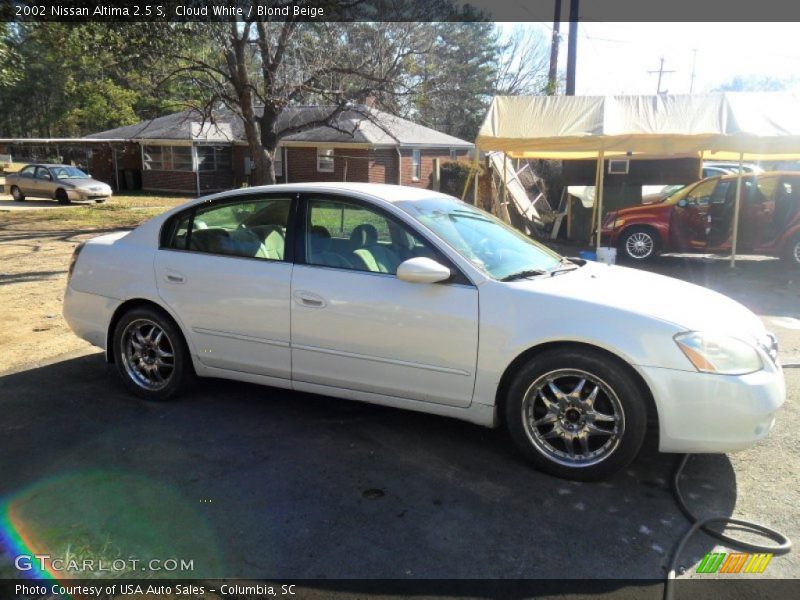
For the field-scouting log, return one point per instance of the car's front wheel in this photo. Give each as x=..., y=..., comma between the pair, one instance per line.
x=62, y=196
x=639, y=244
x=576, y=414
x=150, y=354
x=17, y=194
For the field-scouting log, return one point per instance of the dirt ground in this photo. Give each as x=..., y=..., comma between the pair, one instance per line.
x=36, y=242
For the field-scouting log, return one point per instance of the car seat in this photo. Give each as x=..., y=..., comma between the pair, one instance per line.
x=319, y=243
x=375, y=257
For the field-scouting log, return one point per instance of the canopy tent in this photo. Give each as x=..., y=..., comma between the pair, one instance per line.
x=727, y=126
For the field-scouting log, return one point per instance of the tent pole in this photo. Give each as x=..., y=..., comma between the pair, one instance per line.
x=594, y=203
x=598, y=196
x=736, y=209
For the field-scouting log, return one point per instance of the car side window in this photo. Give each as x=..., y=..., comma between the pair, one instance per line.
x=346, y=235
x=27, y=172
x=700, y=195
x=42, y=173
x=248, y=228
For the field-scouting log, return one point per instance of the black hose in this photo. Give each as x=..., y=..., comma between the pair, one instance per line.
x=784, y=544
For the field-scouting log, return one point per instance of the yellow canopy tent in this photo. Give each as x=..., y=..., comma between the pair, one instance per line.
x=743, y=126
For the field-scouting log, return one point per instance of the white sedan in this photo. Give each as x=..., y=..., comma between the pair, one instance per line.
x=409, y=298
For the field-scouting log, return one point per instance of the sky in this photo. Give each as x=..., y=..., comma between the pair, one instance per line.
x=614, y=58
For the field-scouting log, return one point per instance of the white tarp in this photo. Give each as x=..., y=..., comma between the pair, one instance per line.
x=762, y=125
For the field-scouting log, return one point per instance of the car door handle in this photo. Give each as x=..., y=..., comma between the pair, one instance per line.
x=175, y=278
x=308, y=299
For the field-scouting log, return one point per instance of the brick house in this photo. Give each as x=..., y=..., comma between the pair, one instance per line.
x=183, y=152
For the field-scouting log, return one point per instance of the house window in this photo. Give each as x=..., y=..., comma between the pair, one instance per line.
x=415, y=165
x=213, y=158
x=325, y=160
x=453, y=155
x=167, y=158
x=279, y=162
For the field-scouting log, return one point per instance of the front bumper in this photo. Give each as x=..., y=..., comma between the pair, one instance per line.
x=701, y=412
x=87, y=195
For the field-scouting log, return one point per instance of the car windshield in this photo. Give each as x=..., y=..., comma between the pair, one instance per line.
x=69, y=173
x=492, y=246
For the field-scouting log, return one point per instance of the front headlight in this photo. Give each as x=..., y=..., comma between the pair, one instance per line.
x=718, y=353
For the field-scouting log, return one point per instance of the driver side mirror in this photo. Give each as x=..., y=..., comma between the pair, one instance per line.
x=422, y=270
x=683, y=203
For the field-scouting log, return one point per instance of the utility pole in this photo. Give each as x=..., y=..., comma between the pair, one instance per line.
x=660, y=72
x=552, y=76
x=572, y=45
x=694, y=62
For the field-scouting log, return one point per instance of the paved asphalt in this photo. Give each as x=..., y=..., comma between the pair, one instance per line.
x=254, y=482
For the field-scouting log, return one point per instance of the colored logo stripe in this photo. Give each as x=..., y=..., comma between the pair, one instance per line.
x=736, y=562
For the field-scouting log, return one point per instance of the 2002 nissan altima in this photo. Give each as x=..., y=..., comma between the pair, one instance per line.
x=413, y=299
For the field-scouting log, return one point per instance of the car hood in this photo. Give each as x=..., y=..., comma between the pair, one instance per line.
x=85, y=183
x=690, y=307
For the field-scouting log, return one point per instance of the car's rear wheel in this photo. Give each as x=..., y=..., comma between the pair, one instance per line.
x=62, y=196
x=792, y=253
x=639, y=244
x=576, y=414
x=151, y=355
x=17, y=194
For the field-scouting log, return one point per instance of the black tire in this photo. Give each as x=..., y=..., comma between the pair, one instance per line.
x=100, y=200
x=17, y=194
x=628, y=244
x=791, y=254
x=176, y=378
x=61, y=196
x=545, y=445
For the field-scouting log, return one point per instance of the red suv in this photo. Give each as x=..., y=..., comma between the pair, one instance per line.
x=699, y=218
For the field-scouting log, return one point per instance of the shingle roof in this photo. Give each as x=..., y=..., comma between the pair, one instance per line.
x=359, y=125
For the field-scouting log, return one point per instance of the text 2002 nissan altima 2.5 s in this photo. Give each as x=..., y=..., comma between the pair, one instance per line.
x=413, y=299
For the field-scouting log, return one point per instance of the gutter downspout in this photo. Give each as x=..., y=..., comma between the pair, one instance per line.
x=399, y=165
x=196, y=169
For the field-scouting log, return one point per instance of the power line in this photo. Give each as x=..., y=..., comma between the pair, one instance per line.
x=661, y=72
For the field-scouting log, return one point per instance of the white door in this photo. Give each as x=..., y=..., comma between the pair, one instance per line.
x=223, y=271
x=356, y=326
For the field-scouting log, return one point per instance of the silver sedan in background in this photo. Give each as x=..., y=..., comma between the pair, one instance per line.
x=64, y=183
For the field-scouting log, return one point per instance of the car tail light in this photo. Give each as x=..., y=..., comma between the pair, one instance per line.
x=74, y=259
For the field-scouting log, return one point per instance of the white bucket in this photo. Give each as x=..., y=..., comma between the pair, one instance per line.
x=607, y=255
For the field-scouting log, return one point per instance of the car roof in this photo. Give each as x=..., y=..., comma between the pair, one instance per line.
x=383, y=191
x=45, y=165
x=760, y=175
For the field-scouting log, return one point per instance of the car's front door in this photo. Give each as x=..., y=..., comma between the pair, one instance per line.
x=224, y=270
x=43, y=183
x=689, y=227
x=356, y=326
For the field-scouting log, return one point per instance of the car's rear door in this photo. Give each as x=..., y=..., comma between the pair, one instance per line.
x=225, y=270
x=356, y=326
x=26, y=182
x=43, y=183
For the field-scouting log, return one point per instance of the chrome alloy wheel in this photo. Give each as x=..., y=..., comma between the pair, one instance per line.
x=639, y=245
x=148, y=354
x=573, y=418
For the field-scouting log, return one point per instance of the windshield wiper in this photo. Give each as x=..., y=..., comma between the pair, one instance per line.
x=524, y=274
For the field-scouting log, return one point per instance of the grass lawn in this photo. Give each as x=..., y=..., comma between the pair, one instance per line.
x=120, y=212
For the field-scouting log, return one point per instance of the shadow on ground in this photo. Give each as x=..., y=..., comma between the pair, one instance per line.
x=256, y=482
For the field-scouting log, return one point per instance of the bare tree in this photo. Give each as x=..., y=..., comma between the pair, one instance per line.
x=257, y=69
x=522, y=64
